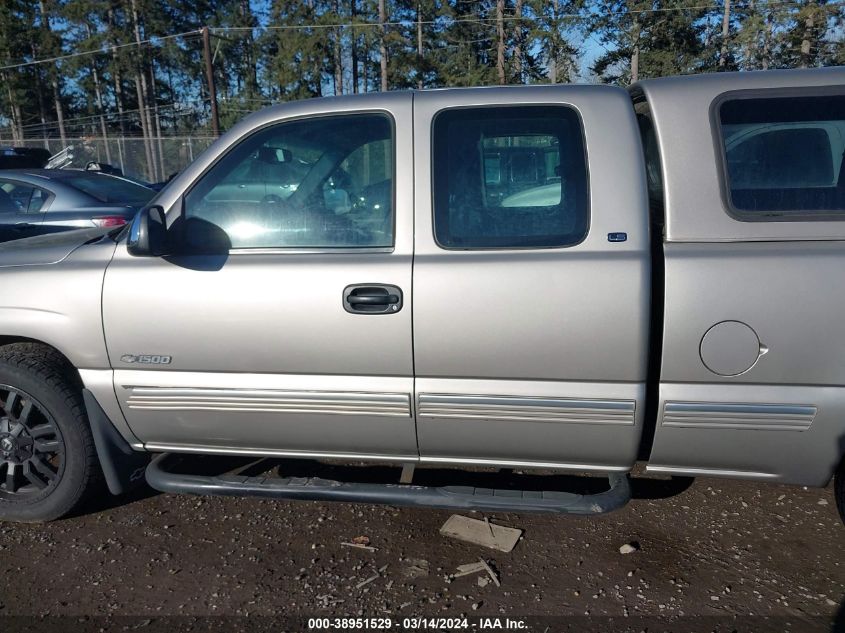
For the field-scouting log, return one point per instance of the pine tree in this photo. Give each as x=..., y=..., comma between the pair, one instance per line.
x=553, y=31
x=296, y=58
x=467, y=55
x=646, y=41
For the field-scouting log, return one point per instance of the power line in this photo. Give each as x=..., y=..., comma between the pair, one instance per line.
x=507, y=18
x=116, y=117
x=342, y=25
x=99, y=51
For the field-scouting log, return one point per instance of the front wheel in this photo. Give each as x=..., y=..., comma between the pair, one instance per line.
x=48, y=462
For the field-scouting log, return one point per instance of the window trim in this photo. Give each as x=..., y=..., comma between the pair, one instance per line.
x=498, y=106
x=301, y=250
x=740, y=215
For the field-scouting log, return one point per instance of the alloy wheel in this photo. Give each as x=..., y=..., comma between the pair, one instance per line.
x=31, y=447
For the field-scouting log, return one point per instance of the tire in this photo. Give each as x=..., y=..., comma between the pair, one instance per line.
x=839, y=490
x=48, y=462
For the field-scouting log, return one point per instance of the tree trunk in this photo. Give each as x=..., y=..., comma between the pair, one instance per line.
x=17, y=133
x=98, y=95
x=554, y=53
x=635, y=53
x=60, y=115
x=54, y=79
x=419, y=47
x=517, y=51
x=767, y=39
x=353, y=11
x=157, y=121
x=39, y=93
x=726, y=25
x=141, y=89
x=500, y=37
x=250, y=70
x=366, y=66
x=807, y=42
x=338, y=63
x=18, y=117
x=382, y=19
x=148, y=115
x=117, y=77
x=145, y=133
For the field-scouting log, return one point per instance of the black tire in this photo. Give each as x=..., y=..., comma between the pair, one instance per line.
x=839, y=490
x=48, y=447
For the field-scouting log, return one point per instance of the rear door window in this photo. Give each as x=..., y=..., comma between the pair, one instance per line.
x=784, y=155
x=21, y=197
x=509, y=177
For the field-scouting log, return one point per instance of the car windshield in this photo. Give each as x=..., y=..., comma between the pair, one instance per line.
x=109, y=189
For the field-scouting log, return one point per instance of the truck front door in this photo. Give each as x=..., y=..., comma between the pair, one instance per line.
x=281, y=322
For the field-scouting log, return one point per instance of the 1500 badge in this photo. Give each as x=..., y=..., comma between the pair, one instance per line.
x=146, y=359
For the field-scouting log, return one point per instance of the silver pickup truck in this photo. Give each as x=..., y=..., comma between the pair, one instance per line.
x=469, y=282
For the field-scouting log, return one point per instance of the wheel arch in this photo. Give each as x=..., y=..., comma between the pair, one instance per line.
x=56, y=354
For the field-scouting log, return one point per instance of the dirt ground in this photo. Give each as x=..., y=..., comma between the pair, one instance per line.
x=713, y=553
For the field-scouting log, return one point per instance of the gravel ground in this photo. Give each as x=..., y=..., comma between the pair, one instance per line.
x=715, y=552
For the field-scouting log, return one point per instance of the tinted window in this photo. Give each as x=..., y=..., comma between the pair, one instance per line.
x=38, y=200
x=785, y=154
x=323, y=182
x=22, y=198
x=509, y=177
x=110, y=190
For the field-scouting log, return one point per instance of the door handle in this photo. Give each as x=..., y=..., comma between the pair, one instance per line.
x=372, y=299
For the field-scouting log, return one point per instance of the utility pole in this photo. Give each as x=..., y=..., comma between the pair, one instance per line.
x=209, y=73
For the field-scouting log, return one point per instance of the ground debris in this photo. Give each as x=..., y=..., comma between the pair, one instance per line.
x=629, y=548
x=416, y=568
x=481, y=533
x=369, y=548
x=470, y=568
x=492, y=573
x=368, y=581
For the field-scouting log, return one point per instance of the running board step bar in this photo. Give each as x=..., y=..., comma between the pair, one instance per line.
x=449, y=497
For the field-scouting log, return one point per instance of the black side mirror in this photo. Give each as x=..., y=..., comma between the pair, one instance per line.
x=148, y=233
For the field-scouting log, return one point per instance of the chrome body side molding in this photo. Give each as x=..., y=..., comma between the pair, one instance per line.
x=718, y=415
x=515, y=408
x=270, y=401
x=709, y=472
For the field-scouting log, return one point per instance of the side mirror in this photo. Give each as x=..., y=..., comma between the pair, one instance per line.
x=148, y=233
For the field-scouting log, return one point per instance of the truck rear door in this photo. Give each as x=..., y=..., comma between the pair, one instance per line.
x=531, y=277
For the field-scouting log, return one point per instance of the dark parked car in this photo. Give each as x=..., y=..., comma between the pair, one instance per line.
x=23, y=157
x=37, y=201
